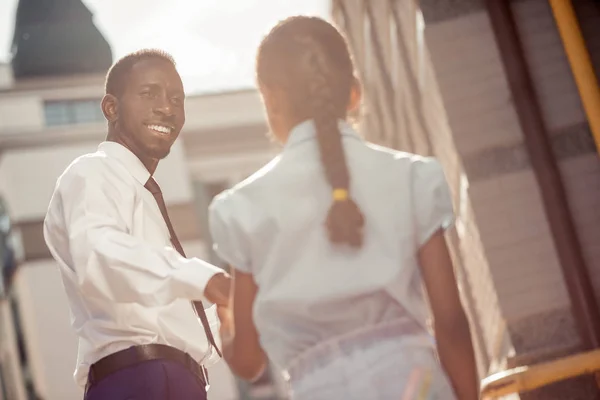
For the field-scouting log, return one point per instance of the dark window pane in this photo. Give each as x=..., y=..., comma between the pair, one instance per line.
x=56, y=113
x=84, y=111
x=72, y=112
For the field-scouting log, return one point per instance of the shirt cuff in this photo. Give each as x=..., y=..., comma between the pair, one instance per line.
x=192, y=275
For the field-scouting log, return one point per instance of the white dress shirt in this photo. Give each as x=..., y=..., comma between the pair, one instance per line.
x=125, y=283
x=272, y=226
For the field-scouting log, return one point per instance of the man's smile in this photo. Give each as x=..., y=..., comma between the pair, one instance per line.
x=162, y=129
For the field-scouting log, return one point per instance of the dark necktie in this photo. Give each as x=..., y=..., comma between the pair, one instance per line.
x=153, y=188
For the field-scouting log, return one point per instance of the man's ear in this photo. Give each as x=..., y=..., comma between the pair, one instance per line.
x=110, y=108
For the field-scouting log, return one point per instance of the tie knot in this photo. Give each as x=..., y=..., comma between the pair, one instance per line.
x=152, y=186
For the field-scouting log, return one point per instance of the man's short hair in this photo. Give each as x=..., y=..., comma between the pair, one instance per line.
x=119, y=71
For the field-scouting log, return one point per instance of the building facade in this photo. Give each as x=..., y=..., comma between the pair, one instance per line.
x=438, y=81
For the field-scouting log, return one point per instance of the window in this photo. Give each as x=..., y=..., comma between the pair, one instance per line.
x=72, y=112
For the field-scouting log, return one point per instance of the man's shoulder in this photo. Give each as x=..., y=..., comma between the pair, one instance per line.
x=88, y=166
x=85, y=163
x=78, y=173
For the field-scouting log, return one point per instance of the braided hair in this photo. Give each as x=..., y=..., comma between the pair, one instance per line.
x=308, y=59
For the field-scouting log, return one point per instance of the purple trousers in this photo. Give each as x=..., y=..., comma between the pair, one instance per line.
x=150, y=380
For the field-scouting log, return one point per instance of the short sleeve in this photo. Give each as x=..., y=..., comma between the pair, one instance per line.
x=229, y=241
x=431, y=199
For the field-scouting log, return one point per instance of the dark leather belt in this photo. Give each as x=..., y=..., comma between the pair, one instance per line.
x=138, y=354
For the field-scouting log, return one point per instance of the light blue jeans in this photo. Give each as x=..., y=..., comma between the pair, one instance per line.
x=395, y=360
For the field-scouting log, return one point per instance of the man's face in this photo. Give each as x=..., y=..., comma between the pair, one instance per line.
x=151, y=109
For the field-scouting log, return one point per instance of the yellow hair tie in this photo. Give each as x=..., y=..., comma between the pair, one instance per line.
x=340, y=194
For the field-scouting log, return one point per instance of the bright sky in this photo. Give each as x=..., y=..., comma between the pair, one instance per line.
x=213, y=41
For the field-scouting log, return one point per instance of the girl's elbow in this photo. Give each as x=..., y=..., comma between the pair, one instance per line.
x=249, y=364
x=249, y=369
x=251, y=372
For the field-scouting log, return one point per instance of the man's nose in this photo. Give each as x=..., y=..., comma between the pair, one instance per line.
x=163, y=107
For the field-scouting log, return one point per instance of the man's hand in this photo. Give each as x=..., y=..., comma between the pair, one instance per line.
x=218, y=288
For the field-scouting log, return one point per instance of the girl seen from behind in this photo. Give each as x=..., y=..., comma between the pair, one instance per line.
x=331, y=243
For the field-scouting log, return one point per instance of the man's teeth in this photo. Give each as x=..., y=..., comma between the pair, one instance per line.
x=160, y=128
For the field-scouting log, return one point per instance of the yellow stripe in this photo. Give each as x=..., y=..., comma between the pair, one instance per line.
x=411, y=384
x=424, y=394
x=580, y=61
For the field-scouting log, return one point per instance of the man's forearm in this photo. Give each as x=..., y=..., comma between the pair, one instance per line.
x=123, y=269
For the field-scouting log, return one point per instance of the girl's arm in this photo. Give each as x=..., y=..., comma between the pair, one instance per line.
x=451, y=326
x=241, y=347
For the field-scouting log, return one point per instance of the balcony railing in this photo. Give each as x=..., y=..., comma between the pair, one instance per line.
x=523, y=379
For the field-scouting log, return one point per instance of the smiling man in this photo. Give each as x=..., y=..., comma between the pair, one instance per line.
x=135, y=299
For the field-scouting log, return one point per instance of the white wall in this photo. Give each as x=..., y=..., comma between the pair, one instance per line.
x=28, y=176
x=6, y=76
x=242, y=108
x=51, y=343
x=20, y=114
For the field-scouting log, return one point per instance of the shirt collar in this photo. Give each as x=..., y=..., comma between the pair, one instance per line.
x=306, y=131
x=129, y=160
